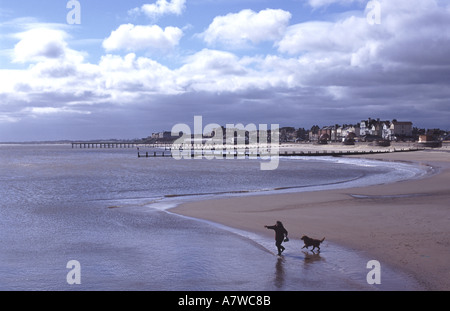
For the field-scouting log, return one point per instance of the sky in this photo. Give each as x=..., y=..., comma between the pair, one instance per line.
x=97, y=69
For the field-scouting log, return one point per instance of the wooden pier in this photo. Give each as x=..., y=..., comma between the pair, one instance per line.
x=154, y=154
x=115, y=145
x=197, y=151
x=106, y=145
x=200, y=153
x=344, y=152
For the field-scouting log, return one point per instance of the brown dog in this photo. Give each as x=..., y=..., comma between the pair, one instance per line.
x=311, y=242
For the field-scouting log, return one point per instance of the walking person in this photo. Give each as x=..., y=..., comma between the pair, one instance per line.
x=280, y=235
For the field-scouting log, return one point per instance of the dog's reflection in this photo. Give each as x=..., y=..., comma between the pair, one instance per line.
x=309, y=258
x=312, y=257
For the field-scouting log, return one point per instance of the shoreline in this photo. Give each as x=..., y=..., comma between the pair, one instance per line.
x=402, y=224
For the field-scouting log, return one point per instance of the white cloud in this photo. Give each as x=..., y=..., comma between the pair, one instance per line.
x=161, y=7
x=322, y=3
x=219, y=71
x=8, y=119
x=408, y=47
x=345, y=35
x=52, y=110
x=133, y=38
x=239, y=29
x=41, y=43
x=212, y=62
x=211, y=70
x=135, y=74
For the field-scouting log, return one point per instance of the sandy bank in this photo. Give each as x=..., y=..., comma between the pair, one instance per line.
x=404, y=224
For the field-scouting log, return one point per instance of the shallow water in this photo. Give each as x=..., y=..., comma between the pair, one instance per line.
x=57, y=204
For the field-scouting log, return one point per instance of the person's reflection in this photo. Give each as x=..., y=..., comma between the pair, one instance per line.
x=279, y=273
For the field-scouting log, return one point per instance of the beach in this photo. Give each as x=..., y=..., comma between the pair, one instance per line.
x=404, y=225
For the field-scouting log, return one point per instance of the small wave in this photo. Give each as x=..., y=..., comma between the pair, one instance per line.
x=207, y=193
x=396, y=196
x=321, y=184
x=256, y=191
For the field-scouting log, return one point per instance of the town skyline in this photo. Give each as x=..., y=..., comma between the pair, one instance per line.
x=315, y=128
x=369, y=129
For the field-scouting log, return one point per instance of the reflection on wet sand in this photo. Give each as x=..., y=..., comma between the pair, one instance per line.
x=279, y=272
x=333, y=268
x=311, y=257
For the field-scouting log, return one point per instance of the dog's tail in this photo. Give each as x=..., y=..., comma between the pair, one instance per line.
x=322, y=240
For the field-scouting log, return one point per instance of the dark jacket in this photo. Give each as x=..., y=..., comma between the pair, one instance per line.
x=280, y=232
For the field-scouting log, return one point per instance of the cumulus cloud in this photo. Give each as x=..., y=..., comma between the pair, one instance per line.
x=42, y=43
x=161, y=7
x=393, y=45
x=52, y=110
x=324, y=3
x=239, y=29
x=133, y=38
x=135, y=75
x=211, y=70
x=342, y=36
x=213, y=62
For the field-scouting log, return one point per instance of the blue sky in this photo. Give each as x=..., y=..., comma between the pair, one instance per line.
x=131, y=68
x=100, y=18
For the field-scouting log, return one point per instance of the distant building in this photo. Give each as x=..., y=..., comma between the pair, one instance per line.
x=287, y=134
x=371, y=130
x=162, y=135
x=327, y=133
x=425, y=138
x=346, y=131
x=430, y=139
x=334, y=133
x=399, y=130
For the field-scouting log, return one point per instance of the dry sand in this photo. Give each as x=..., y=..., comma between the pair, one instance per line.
x=404, y=224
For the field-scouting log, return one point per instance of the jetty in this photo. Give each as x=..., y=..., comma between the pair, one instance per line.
x=200, y=153
x=338, y=153
x=115, y=144
x=153, y=150
x=102, y=144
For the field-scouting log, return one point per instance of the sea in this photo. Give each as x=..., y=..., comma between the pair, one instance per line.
x=109, y=212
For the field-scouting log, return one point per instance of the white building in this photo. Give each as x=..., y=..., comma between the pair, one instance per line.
x=372, y=128
x=397, y=130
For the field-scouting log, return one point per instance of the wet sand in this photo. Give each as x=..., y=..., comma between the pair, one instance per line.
x=404, y=224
